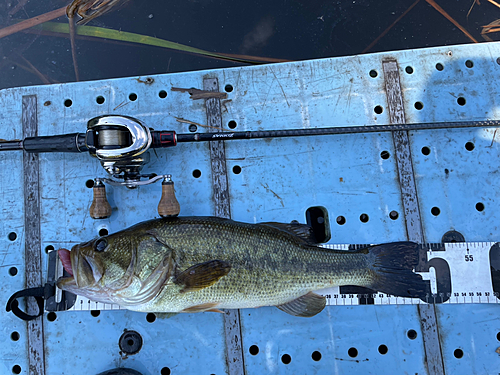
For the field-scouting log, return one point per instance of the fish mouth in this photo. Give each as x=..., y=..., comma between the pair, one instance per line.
x=67, y=259
x=84, y=271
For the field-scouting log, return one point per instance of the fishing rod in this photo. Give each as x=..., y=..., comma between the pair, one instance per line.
x=130, y=135
x=121, y=143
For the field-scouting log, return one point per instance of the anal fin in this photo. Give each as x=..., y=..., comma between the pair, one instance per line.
x=306, y=306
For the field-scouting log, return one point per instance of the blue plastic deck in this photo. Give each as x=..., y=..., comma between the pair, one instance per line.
x=279, y=180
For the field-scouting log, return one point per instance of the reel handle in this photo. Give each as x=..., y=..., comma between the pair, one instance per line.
x=168, y=206
x=100, y=207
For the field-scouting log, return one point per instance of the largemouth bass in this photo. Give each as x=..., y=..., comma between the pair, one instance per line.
x=196, y=264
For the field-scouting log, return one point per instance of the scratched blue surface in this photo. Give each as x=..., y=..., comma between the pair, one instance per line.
x=279, y=180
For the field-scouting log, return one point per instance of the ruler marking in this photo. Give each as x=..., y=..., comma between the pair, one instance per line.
x=232, y=323
x=430, y=329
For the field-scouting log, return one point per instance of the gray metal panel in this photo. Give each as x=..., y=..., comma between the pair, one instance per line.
x=221, y=200
x=33, y=273
x=403, y=154
x=410, y=203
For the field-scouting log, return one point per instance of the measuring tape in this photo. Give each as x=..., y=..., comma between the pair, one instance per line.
x=461, y=272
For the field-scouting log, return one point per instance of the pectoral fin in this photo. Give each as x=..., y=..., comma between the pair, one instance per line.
x=306, y=306
x=202, y=275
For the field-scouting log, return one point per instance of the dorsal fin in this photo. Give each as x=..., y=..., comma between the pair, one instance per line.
x=302, y=231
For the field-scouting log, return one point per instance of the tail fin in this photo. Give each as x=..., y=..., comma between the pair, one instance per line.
x=392, y=265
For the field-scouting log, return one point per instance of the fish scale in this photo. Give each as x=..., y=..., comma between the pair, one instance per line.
x=277, y=260
x=202, y=263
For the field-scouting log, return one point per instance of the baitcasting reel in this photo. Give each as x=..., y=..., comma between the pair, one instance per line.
x=121, y=144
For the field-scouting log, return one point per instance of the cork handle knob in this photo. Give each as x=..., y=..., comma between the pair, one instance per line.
x=168, y=205
x=100, y=208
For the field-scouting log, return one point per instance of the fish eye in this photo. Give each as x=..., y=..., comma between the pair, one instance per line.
x=100, y=244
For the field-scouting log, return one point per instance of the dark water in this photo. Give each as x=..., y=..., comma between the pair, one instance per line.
x=286, y=29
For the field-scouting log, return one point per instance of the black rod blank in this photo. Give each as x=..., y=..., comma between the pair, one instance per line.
x=200, y=137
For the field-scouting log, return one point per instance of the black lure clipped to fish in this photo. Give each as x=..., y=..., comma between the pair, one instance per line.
x=195, y=264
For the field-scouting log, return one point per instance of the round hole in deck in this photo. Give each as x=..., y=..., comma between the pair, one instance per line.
x=89, y=184
x=435, y=211
x=458, y=353
x=14, y=336
x=382, y=349
x=378, y=109
x=480, y=206
x=409, y=70
x=364, y=218
x=150, y=318
x=228, y=88
x=196, y=173
x=47, y=103
x=340, y=220
x=316, y=356
x=95, y=313
x=132, y=97
x=193, y=128
x=49, y=248
x=231, y=124
x=353, y=352
x=165, y=371
x=419, y=106
x=16, y=369
x=12, y=236
x=162, y=94
x=236, y=169
x=373, y=73
x=393, y=215
x=461, y=100
x=254, y=350
x=385, y=155
x=68, y=103
x=100, y=99
x=439, y=67
x=286, y=359
x=51, y=316
x=426, y=150
x=469, y=146
x=469, y=64
x=498, y=336
x=12, y=271
x=412, y=334
x=103, y=232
